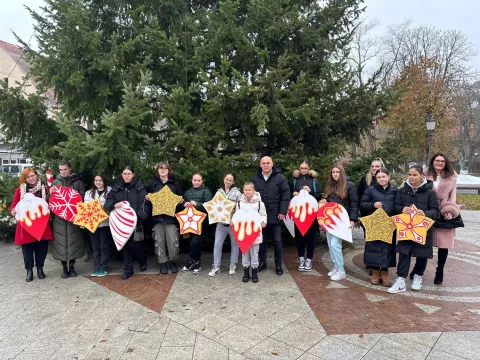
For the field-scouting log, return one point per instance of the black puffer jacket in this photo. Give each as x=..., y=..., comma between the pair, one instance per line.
x=362, y=186
x=379, y=253
x=310, y=180
x=175, y=187
x=424, y=199
x=377, y=193
x=133, y=192
x=350, y=203
x=68, y=240
x=275, y=193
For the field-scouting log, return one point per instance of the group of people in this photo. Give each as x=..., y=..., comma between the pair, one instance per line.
x=269, y=193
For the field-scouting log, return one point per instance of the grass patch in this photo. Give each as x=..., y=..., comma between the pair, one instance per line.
x=469, y=202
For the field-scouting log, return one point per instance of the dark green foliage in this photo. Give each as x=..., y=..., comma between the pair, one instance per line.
x=8, y=184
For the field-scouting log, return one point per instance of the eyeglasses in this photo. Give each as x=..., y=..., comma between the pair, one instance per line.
x=163, y=168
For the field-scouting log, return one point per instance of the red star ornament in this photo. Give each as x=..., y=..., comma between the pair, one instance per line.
x=246, y=226
x=303, y=210
x=32, y=213
x=63, y=203
x=90, y=215
x=333, y=218
x=412, y=226
x=190, y=220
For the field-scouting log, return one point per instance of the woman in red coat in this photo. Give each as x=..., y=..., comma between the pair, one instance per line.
x=34, y=251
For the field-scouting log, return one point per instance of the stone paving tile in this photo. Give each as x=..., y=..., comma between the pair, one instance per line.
x=265, y=323
x=178, y=335
x=464, y=344
x=175, y=353
x=206, y=349
x=371, y=355
x=239, y=338
x=273, y=349
x=210, y=325
x=143, y=346
x=299, y=336
x=398, y=348
x=439, y=355
x=232, y=355
x=104, y=352
x=366, y=341
x=332, y=348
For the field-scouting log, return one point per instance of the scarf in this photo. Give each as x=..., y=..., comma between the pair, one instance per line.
x=34, y=189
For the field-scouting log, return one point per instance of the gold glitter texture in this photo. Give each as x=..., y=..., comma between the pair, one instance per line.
x=164, y=202
x=378, y=226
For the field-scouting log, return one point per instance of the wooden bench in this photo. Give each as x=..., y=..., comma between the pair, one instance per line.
x=468, y=189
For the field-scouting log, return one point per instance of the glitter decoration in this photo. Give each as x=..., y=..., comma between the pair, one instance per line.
x=164, y=202
x=378, y=226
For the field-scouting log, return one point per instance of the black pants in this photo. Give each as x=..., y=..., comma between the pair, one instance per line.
x=274, y=231
x=34, y=253
x=195, y=247
x=70, y=263
x=404, y=265
x=133, y=251
x=308, y=238
x=101, y=248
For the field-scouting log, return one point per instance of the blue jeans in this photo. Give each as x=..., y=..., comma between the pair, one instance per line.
x=335, y=247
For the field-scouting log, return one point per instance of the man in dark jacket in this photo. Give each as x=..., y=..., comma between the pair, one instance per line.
x=275, y=192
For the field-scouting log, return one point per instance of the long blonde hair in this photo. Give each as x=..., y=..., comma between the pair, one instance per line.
x=369, y=176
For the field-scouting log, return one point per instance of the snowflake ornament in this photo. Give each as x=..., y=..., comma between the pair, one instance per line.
x=190, y=220
x=63, y=203
x=219, y=209
x=412, y=226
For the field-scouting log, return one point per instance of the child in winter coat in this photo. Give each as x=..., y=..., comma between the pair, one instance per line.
x=341, y=191
x=250, y=258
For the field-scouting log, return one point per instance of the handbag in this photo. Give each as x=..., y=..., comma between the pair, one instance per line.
x=138, y=235
x=441, y=223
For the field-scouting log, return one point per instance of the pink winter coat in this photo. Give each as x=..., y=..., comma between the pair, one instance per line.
x=446, y=190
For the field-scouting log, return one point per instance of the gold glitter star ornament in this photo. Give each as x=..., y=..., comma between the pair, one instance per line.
x=219, y=209
x=164, y=202
x=378, y=226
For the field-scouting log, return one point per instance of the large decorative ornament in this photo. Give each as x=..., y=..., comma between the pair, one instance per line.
x=289, y=224
x=190, y=220
x=164, y=202
x=219, y=209
x=123, y=222
x=63, y=203
x=303, y=210
x=49, y=175
x=378, y=226
x=412, y=226
x=32, y=213
x=90, y=215
x=333, y=218
x=246, y=226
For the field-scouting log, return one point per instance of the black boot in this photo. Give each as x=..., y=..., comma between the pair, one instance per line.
x=246, y=274
x=40, y=273
x=29, y=275
x=72, y=271
x=65, y=273
x=278, y=269
x=442, y=259
x=254, y=275
x=262, y=266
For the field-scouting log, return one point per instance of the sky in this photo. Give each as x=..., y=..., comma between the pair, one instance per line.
x=444, y=14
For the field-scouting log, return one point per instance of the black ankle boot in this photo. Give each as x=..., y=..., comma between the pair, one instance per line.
x=40, y=273
x=65, y=273
x=72, y=271
x=262, y=266
x=438, y=276
x=254, y=275
x=29, y=275
x=246, y=274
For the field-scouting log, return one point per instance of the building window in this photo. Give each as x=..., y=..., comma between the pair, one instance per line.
x=13, y=161
x=5, y=162
x=23, y=161
x=5, y=80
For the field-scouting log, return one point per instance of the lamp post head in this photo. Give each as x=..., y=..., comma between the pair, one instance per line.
x=430, y=122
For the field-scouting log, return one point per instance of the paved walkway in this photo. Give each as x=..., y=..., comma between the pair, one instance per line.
x=296, y=316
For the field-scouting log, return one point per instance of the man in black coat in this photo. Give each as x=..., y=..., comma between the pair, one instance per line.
x=275, y=192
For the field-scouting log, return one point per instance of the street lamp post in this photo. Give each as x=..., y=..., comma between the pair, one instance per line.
x=430, y=123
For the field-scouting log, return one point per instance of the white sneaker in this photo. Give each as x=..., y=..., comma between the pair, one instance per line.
x=215, y=270
x=339, y=275
x=232, y=269
x=308, y=265
x=301, y=265
x=332, y=272
x=417, y=282
x=398, y=287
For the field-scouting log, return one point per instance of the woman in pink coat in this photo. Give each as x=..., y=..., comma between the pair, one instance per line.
x=441, y=172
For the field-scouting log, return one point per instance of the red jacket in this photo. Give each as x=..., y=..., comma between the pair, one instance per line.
x=22, y=236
